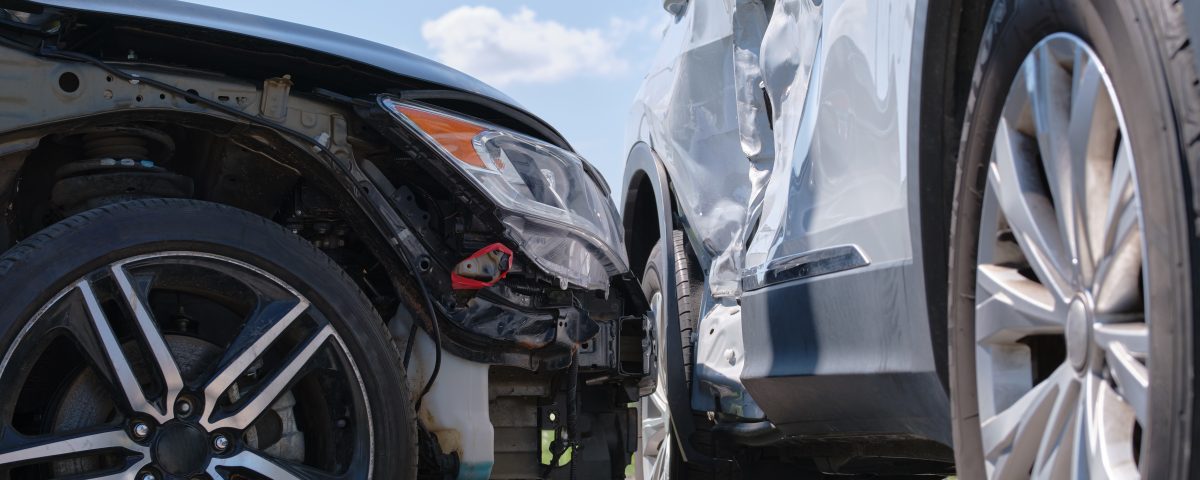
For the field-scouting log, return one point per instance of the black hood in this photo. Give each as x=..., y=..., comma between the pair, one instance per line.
x=393, y=60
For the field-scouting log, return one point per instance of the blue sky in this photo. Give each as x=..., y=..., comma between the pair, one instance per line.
x=575, y=63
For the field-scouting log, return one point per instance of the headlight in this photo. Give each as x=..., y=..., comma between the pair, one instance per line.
x=554, y=210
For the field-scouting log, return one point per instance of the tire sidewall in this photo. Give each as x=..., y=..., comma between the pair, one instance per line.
x=652, y=283
x=35, y=271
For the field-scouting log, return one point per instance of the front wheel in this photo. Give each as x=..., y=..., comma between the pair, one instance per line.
x=1072, y=279
x=175, y=339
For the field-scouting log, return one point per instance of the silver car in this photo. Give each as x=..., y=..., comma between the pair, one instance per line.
x=919, y=237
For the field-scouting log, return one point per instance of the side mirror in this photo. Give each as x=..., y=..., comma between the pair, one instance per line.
x=674, y=7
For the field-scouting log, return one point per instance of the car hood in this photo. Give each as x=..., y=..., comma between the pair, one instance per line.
x=354, y=49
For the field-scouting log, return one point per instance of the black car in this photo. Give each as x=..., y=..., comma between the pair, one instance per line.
x=235, y=247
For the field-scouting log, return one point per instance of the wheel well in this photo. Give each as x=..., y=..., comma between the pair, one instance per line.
x=953, y=31
x=640, y=218
x=75, y=166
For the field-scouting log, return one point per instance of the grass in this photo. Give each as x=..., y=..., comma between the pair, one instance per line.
x=548, y=438
x=547, y=456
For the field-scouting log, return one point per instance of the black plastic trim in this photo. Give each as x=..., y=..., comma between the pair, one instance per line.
x=806, y=265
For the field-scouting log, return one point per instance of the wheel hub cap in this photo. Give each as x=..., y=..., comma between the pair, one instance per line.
x=181, y=449
x=1078, y=331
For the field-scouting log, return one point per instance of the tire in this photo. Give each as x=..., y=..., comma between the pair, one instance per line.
x=688, y=282
x=313, y=363
x=1151, y=74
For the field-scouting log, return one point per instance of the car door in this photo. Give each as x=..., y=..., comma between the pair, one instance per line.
x=837, y=202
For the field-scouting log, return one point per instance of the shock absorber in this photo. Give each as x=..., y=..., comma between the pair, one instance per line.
x=118, y=164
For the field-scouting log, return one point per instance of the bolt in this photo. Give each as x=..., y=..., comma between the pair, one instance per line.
x=141, y=430
x=220, y=443
x=147, y=476
x=183, y=407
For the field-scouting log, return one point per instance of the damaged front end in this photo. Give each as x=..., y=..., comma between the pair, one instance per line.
x=491, y=250
x=532, y=274
x=531, y=277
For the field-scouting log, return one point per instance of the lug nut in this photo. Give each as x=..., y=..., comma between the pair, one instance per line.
x=141, y=430
x=147, y=476
x=183, y=407
x=220, y=443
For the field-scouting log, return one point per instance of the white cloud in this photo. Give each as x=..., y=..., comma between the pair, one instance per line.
x=520, y=48
x=622, y=28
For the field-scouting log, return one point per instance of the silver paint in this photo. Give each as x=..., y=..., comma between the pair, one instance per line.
x=828, y=168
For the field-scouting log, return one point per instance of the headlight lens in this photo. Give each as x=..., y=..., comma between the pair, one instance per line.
x=557, y=213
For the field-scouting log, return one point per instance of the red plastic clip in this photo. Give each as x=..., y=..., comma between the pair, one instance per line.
x=497, y=256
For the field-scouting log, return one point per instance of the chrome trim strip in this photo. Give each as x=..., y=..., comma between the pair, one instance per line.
x=805, y=265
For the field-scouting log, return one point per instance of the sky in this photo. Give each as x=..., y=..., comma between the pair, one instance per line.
x=575, y=63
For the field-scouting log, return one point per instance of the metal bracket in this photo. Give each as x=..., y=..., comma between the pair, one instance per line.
x=275, y=97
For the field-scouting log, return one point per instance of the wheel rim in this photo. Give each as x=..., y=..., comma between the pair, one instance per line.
x=167, y=402
x=655, y=415
x=1060, y=327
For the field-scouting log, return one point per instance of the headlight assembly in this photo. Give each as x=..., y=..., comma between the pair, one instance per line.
x=553, y=210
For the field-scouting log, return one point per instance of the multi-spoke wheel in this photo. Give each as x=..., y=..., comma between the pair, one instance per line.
x=656, y=457
x=183, y=340
x=1059, y=265
x=1069, y=280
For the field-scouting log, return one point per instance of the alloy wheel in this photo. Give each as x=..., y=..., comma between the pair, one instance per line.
x=181, y=365
x=1062, y=339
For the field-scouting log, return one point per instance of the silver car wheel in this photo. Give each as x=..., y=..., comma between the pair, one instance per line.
x=1061, y=334
x=654, y=444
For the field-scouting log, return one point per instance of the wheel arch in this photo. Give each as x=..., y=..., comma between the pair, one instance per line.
x=18, y=154
x=640, y=209
x=645, y=178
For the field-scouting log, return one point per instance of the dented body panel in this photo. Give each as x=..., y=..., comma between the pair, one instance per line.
x=789, y=130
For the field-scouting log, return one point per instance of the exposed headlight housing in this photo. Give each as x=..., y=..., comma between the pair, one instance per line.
x=553, y=209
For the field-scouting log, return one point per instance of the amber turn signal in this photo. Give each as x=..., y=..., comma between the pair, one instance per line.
x=455, y=135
